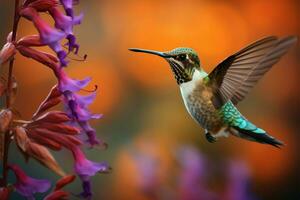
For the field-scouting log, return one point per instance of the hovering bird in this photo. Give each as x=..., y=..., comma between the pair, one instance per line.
x=211, y=98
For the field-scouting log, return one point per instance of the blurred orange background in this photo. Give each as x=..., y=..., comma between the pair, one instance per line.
x=141, y=103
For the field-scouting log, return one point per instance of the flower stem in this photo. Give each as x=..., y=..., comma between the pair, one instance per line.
x=7, y=137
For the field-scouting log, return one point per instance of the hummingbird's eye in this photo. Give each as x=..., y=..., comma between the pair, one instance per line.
x=181, y=57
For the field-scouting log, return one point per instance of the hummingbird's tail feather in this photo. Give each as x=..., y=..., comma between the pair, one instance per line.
x=258, y=135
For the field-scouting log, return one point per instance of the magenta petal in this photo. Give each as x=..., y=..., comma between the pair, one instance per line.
x=86, y=168
x=83, y=114
x=68, y=84
x=77, y=19
x=68, y=6
x=86, y=115
x=32, y=186
x=47, y=33
x=84, y=101
x=66, y=23
x=91, y=134
x=90, y=168
x=27, y=186
x=62, y=22
x=78, y=113
x=93, y=140
x=67, y=3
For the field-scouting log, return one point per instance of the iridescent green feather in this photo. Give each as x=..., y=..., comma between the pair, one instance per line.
x=232, y=117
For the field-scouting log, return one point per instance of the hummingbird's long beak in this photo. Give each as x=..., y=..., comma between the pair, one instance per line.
x=158, y=53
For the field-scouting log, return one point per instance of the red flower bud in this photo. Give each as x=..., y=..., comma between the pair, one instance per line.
x=30, y=40
x=53, y=117
x=43, y=5
x=64, y=140
x=60, y=128
x=40, y=56
x=29, y=13
x=64, y=181
x=27, y=2
x=35, y=150
x=47, y=142
x=58, y=195
x=46, y=105
x=53, y=98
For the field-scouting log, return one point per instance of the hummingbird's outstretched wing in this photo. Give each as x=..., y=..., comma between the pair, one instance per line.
x=236, y=75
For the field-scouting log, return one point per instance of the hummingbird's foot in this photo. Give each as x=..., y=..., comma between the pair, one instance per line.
x=210, y=138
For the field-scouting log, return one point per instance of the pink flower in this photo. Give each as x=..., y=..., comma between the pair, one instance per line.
x=41, y=5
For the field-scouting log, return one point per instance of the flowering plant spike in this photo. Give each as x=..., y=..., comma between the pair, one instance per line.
x=48, y=129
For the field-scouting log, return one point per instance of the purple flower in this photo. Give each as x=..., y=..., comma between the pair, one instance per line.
x=66, y=23
x=238, y=182
x=68, y=6
x=77, y=105
x=48, y=35
x=91, y=134
x=87, y=190
x=192, y=178
x=85, y=168
x=148, y=167
x=27, y=186
x=67, y=84
x=78, y=111
x=44, y=128
x=85, y=100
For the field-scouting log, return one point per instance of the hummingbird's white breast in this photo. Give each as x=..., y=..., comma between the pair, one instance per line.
x=197, y=100
x=187, y=88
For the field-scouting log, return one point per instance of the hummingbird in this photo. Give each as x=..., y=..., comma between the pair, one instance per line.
x=211, y=98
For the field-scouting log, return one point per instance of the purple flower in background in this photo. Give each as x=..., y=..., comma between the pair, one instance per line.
x=238, y=182
x=27, y=186
x=187, y=176
x=192, y=184
x=148, y=168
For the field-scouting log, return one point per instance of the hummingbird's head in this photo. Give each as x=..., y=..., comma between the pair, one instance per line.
x=183, y=62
